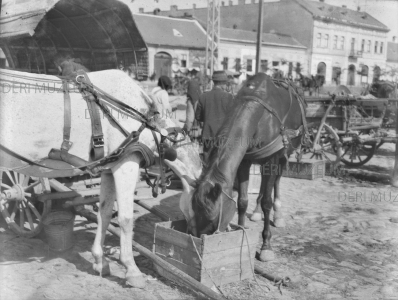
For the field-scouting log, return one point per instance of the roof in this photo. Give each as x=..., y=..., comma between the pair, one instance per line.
x=274, y=39
x=175, y=32
x=97, y=31
x=392, y=52
x=245, y=16
x=343, y=15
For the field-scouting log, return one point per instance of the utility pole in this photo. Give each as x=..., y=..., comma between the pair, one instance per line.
x=213, y=37
x=394, y=178
x=259, y=35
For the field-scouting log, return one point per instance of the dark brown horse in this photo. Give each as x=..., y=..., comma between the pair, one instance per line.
x=251, y=134
x=312, y=84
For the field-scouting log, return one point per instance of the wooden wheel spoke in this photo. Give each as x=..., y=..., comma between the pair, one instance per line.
x=32, y=185
x=28, y=194
x=10, y=177
x=25, y=181
x=28, y=214
x=21, y=178
x=6, y=186
x=21, y=217
x=38, y=216
x=14, y=211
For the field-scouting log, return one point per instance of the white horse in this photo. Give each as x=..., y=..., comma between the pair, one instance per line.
x=32, y=121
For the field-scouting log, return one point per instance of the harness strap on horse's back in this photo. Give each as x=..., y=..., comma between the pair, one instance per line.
x=97, y=138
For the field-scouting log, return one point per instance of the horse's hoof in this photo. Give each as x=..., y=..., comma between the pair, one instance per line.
x=102, y=269
x=267, y=255
x=280, y=223
x=138, y=282
x=256, y=217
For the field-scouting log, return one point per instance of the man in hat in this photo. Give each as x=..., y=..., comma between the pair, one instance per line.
x=211, y=110
x=193, y=94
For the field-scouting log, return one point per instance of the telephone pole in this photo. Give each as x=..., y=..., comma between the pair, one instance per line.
x=213, y=36
x=259, y=35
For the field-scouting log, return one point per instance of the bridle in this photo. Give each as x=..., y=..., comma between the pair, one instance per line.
x=221, y=205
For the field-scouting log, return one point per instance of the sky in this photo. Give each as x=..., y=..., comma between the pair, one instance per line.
x=385, y=11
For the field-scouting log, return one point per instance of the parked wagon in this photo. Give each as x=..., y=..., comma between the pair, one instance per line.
x=346, y=128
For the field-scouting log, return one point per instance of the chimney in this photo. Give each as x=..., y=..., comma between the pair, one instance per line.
x=231, y=3
x=253, y=1
x=173, y=8
x=156, y=11
x=358, y=8
x=344, y=6
x=194, y=6
x=241, y=2
x=141, y=10
x=321, y=0
x=222, y=3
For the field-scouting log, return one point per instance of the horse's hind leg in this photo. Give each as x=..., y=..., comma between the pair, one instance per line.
x=257, y=213
x=125, y=174
x=243, y=200
x=267, y=182
x=278, y=216
x=107, y=199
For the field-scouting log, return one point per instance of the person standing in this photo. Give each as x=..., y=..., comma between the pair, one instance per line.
x=212, y=109
x=192, y=127
x=160, y=96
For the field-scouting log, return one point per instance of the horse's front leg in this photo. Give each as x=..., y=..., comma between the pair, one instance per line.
x=125, y=175
x=268, y=182
x=107, y=199
x=278, y=215
x=243, y=199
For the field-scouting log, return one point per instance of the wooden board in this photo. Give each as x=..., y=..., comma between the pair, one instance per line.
x=224, y=257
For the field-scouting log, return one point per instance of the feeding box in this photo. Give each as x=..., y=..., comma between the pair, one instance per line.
x=224, y=257
x=305, y=169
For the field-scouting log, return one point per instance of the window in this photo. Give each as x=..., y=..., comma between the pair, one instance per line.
x=342, y=41
x=335, y=42
x=353, y=44
x=381, y=47
x=318, y=40
x=363, y=46
x=237, y=65
x=264, y=65
x=249, y=67
x=184, y=61
x=368, y=46
x=325, y=41
x=376, y=45
x=225, y=63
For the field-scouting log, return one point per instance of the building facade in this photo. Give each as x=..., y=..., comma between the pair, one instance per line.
x=346, y=46
x=175, y=45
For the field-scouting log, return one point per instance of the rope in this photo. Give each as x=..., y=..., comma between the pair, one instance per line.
x=251, y=265
x=201, y=261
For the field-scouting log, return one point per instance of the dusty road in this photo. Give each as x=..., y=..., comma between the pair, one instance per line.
x=340, y=242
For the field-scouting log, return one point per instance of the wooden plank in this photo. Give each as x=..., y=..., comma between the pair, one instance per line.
x=227, y=240
x=227, y=274
x=228, y=256
x=191, y=271
x=177, y=238
x=181, y=254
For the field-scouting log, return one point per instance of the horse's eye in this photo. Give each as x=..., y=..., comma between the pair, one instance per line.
x=251, y=86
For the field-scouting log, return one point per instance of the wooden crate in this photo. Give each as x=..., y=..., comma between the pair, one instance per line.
x=305, y=169
x=225, y=256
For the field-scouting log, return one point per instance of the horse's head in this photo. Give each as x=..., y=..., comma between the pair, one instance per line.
x=210, y=203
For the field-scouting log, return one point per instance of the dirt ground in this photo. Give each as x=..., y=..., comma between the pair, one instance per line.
x=340, y=242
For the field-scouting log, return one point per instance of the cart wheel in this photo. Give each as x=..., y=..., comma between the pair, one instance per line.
x=18, y=204
x=328, y=145
x=356, y=154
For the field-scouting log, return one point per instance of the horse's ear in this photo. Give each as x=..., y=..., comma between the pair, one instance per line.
x=215, y=191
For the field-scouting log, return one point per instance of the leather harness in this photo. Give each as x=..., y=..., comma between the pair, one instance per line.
x=94, y=97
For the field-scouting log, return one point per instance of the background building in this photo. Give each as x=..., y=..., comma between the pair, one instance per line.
x=175, y=45
x=344, y=45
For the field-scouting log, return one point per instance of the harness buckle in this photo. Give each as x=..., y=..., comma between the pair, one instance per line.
x=98, y=141
x=66, y=145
